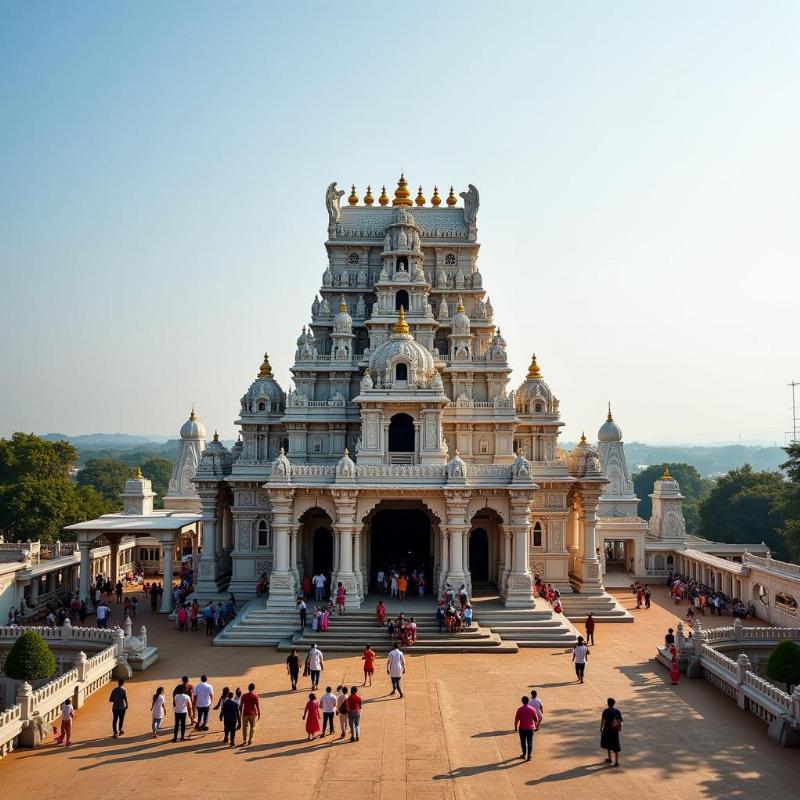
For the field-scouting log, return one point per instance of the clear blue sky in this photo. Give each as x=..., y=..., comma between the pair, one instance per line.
x=162, y=197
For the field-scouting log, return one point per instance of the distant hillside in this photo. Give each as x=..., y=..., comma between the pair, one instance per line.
x=98, y=440
x=709, y=461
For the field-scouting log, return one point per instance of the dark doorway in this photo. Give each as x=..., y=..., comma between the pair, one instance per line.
x=479, y=555
x=401, y=372
x=401, y=434
x=323, y=552
x=401, y=540
x=401, y=299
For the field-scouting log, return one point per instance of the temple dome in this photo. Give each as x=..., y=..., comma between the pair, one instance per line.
x=460, y=324
x=193, y=428
x=402, y=347
x=264, y=387
x=609, y=430
x=343, y=322
x=535, y=390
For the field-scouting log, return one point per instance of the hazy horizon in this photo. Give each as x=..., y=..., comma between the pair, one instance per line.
x=162, y=212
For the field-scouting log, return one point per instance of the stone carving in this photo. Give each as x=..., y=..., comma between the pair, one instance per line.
x=537, y=568
x=346, y=468
x=471, y=200
x=281, y=467
x=333, y=197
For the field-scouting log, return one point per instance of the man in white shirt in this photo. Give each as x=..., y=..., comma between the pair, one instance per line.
x=319, y=586
x=327, y=704
x=379, y=579
x=203, y=697
x=537, y=704
x=579, y=656
x=395, y=668
x=182, y=706
x=103, y=612
x=316, y=664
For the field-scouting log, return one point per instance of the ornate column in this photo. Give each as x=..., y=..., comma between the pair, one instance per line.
x=357, y=563
x=456, y=509
x=85, y=548
x=282, y=588
x=506, y=534
x=444, y=558
x=293, y=563
x=207, y=587
x=346, y=502
x=519, y=589
x=588, y=565
x=167, y=545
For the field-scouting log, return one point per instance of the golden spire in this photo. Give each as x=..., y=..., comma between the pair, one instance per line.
x=533, y=369
x=384, y=198
x=451, y=198
x=192, y=416
x=402, y=197
x=216, y=436
x=353, y=199
x=137, y=476
x=342, y=305
x=666, y=476
x=402, y=325
x=368, y=198
x=420, y=201
x=609, y=418
x=583, y=438
x=266, y=369
x=460, y=306
x=436, y=200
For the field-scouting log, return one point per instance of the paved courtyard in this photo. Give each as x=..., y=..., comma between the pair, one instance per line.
x=451, y=737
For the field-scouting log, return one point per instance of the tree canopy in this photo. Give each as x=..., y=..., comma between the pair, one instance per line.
x=693, y=487
x=106, y=476
x=746, y=506
x=30, y=658
x=159, y=471
x=783, y=664
x=791, y=524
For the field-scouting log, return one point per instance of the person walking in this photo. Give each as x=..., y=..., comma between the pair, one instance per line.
x=538, y=705
x=230, y=714
x=395, y=668
x=202, y=698
x=341, y=710
x=610, y=728
x=368, y=658
x=103, y=613
x=251, y=713
x=327, y=704
x=354, y=714
x=341, y=596
x=157, y=710
x=316, y=663
x=526, y=720
x=579, y=656
x=182, y=708
x=293, y=668
x=194, y=614
x=302, y=610
x=311, y=716
x=119, y=705
x=118, y=590
x=590, y=629
x=67, y=715
x=208, y=618
x=674, y=667
x=319, y=586
x=647, y=595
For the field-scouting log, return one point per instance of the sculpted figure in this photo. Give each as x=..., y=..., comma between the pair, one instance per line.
x=333, y=199
x=471, y=204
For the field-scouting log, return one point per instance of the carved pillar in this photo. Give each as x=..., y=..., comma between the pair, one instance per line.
x=519, y=589
x=505, y=533
x=207, y=567
x=346, y=502
x=456, y=509
x=282, y=588
x=588, y=566
x=85, y=548
x=357, y=563
x=167, y=545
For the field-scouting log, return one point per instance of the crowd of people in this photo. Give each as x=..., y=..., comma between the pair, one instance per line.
x=702, y=599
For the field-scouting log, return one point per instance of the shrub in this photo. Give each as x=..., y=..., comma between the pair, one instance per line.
x=783, y=664
x=30, y=658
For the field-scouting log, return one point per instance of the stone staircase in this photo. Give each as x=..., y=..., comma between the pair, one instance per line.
x=537, y=627
x=604, y=608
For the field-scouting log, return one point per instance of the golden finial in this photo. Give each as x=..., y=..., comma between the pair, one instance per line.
x=368, y=198
x=216, y=436
x=609, y=418
x=460, y=306
x=451, y=198
x=137, y=476
x=420, y=200
x=384, y=198
x=583, y=438
x=353, y=199
x=342, y=305
x=402, y=325
x=266, y=369
x=436, y=200
x=533, y=369
x=402, y=197
x=192, y=416
x=666, y=476
x=346, y=452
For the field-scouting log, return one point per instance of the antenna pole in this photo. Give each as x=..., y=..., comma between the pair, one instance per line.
x=794, y=385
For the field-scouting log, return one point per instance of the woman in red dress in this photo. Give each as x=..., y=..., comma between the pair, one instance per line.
x=380, y=613
x=311, y=716
x=341, y=593
x=306, y=586
x=369, y=664
x=674, y=667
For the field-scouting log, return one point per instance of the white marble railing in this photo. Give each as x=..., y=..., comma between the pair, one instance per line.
x=772, y=564
x=10, y=728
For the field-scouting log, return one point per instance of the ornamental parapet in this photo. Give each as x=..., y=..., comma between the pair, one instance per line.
x=772, y=564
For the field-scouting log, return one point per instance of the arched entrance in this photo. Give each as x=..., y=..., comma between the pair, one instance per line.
x=479, y=555
x=323, y=552
x=401, y=434
x=400, y=538
x=315, y=550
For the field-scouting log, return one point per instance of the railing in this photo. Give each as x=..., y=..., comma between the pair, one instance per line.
x=10, y=729
x=772, y=564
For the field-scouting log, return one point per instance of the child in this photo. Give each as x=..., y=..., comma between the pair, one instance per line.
x=341, y=709
x=369, y=664
x=157, y=710
x=67, y=715
x=311, y=716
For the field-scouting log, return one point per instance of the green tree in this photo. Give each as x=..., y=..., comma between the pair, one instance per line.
x=107, y=476
x=27, y=455
x=30, y=658
x=746, y=506
x=791, y=525
x=693, y=487
x=783, y=664
x=159, y=471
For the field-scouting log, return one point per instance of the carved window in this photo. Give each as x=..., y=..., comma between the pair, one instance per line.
x=402, y=264
x=484, y=446
x=450, y=259
x=401, y=299
x=262, y=406
x=537, y=408
x=353, y=258
x=537, y=534
x=263, y=533
x=317, y=445
x=401, y=372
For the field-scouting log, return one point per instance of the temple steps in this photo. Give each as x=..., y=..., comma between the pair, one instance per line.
x=604, y=608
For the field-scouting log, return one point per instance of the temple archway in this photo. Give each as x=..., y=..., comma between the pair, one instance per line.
x=479, y=555
x=315, y=550
x=401, y=434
